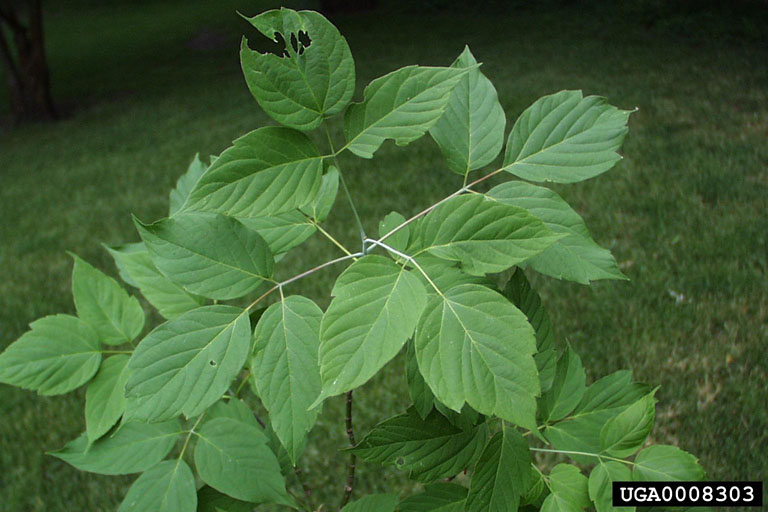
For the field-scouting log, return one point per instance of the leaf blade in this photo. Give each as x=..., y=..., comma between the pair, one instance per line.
x=105, y=397
x=401, y=105
x=374, y=311
x=501, y=474
x=208, y=254
x=268, y=171
x=471, y=132
x=102, y=303
x=565, y=138
x=485, y=236
x=298, y=89
x=40, y=359
x=132, y=448
x=167, y=487
x=576, y=256
x=233, y=458
x=187, y=364
x=476, y=316
x=286, y=369
x=429, y=448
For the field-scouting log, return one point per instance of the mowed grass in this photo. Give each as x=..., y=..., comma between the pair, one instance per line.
x=684, y=212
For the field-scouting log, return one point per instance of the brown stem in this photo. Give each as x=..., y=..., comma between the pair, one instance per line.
x=352, y=459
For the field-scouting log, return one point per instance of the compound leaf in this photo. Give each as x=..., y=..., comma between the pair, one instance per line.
x=59, y=354
x=102, y=303
x=603, y=400
x=105, y=397
x=132, y=448
x=421, y=396
x=314, y=77
x=399, y=239
x=501, y=474
x=567, y=390
x=601, y=484
x=665, y=463
x=321, y=205
x=136, y=268
x=442, y=497
x=167, y=487
x=282, y=232
x=484, y=235
x=429, y=448
x=519, y=291
x=569, y=490
x=374, y=311
x=474, y=346
x=576, y=256
x=233, y=458
x=208, y=254
x=625, y=433
x=268, y=171
x=186, y=364
x=471, y=132
x=565, y=138
x=373, y=503
x=286, y=370
x=179, y=195
x=211, y=500
x=401, y=105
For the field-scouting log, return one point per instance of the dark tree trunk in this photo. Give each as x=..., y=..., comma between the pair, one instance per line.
x=22, y=51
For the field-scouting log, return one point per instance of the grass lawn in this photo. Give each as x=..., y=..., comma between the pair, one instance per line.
x=684, y=212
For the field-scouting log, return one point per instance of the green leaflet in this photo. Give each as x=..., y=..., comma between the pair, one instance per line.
x=211, y=500
x=320, y=207
x=565, y=138
x=603, y=400
x=59, y=354
x=501, y=474
x=167, y=487
x=179, y=195
x=485, y=236
x=401, y=105
x=373, y=503
x=519, y=291
x=665, y=463
x=576, y=256
x=306, y=82
x=233, y=458
x=186, y=364
x=208, y=254
x=625, y=433
x=440, y=497
x=282, y=232
x=102, y=303
x=569, y=490
x=471, y=132
x=286, y=369
x=601, y=484
x=268, y=171
x=567, y=390
x=399, y=239
x=421, y=396
x=431, y=448
x=474, y=346
x=105, y=397
x=131, y=448
x=445, y=274
x=374, y=311
x=136, y=269
x=234, y=409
